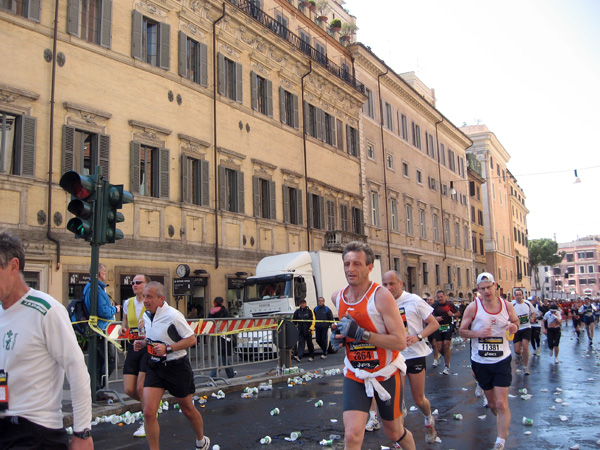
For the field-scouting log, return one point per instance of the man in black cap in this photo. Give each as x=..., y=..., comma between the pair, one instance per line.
x=305, y=321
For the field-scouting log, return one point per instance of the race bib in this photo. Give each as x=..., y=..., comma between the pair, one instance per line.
x=444, y=328
x=523, y=318
x=403, y=314
x=133, y=334
x=490, y=347
x=152, y=351
x=362, y=355
x=3, y=390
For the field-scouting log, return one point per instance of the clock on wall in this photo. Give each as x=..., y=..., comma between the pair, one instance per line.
x=183, y=270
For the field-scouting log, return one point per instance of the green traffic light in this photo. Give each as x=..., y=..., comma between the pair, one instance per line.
x=80, y=228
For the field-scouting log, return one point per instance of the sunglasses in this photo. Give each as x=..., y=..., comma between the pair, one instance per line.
x=138, y=282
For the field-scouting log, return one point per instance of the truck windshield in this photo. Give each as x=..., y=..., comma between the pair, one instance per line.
x=266, y=289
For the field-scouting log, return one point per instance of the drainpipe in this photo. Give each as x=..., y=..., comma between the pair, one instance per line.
x=215, y=153
x=305, y=157
x=385, y=192
x=440, y=182
x=51, y=138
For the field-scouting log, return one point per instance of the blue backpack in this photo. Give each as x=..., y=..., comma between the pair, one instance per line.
x=78, y=312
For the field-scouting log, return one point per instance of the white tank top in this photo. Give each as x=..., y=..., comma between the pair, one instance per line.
x=493, y=349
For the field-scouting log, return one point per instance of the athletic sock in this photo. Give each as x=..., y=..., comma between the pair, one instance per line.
x=428, y=419
x=200, y=442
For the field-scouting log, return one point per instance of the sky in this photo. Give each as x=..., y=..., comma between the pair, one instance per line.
x=527, y=69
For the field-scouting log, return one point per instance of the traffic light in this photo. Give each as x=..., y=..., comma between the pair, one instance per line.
x=114, y=199
x=83, y=193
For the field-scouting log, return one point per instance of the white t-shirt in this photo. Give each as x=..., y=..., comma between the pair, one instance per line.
x=524, y=311
x=538, y=317
x=164, y=326
x=38, y=348
x=551, y=319
x=414, y=311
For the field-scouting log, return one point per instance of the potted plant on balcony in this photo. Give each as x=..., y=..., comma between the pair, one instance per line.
x=335, y=25
x=312, y=5
x=348, y=29
x=322, y=7
x=304, y=3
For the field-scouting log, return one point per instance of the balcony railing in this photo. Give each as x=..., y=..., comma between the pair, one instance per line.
x=251, y=9
x=336, y=239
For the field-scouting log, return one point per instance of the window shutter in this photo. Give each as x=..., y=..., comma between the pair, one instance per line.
x=256, y=194
x=238, y=83
x=136, y=35
x=163, y=182
x=383, y=115
x=34, y=11
x=254, y=90
x=221, y=70
x=282, y=106
x=203, y=64
x=296, y=123
x=348, y=139
x=321, y=212
x=222, y=188
x=306, y=117
x=135, y=167
x=269, y=98
x=104, y=154
x=340, y=134
x=309, y=209
x=164, y=54
x=319, y=120
x=273, y=203
x=332, y=128
x=182, y=54
x=68, y=148
x=106, y=24
x=184, y=179
x=28, y=136
x=299, y=205
x=204, y=195
x=240, y=186
x=286, y=202
x=73, y=15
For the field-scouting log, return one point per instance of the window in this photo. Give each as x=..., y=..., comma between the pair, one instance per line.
x=389, y=161
x=230, y=78
x=331, y=225
x=194, y=181
x=436, y=228
x=288, y=108
x=149, y=171
x=344, y=218
x=442, y=155
x=409, y=220
x=589, y=254
x=370, y=151
x=193, y=60
x=292, y=205
x=590, y=269
x=458, y=277
x=150, y=41
x=432, y=183
x=461, y=166
x=340, y=134
x=369, y=106
x=17, y=144
x=472, y=188
x=429, y=145
x=231, y=190
x=447, y=231
x=262, y=94
x=357, y=220
x=569, y=257
x=416, y=130
x=457, y=234
x=83, y=151
x=403, y=126
x=329, y=132
x=580, y=255
x=438, y=275
x=479, y=217
x=305, y=43
x=281, y=28
x=375, y=209
x=422, y=224
x=405, y=169
x=474, y=243
x=473, y=214
x=451, y=161
x=394, y=214
x=90, y=20
x=388, y=115
x=30, y=9
x=419, y=177
x=449, y=274
x=264, y=198
x=481, y=247
x=396, y=264
x=425, y=274
x=313, y=120
x=581, y=269
x=352, y=140
x=466, y=237
x=320, y=53
x=316, y=211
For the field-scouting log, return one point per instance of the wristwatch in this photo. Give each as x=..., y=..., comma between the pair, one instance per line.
x=366, y=336
x=168, y=349
x=85, y=434
x=420, y=336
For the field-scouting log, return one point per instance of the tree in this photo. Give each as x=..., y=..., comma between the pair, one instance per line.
x=543, y=252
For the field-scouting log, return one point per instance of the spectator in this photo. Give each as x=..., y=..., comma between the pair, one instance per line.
x=324, y=318
x=225, y=346
x=305, y=322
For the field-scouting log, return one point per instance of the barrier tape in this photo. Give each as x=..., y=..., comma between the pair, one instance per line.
x=93, y=324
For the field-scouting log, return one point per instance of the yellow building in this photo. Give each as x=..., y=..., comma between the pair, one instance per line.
x=234, y=126
x=518, y=212
x=477, y=222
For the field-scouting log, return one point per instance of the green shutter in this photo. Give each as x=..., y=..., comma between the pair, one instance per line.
x=282, y=105
x=299, y=199
x=104, y=154
x=286, y=203
x=73, y=15
x=269, y=98
x=221, y=69
x=321, y=212
x=204, y=195
x=137, y=20
x=256, y=195
x=135, y=167
x=106, y=24
x=222, y=189
x=182, y=54
x=238, y=83
x=306, y=117
x=27, y=153
x=163, y=183
x=240, y=193
x=254, y=90
x=309, y=208
x=203, y=64
x=296, y=123
x=273, y=204
x=164, y=54
x=184, y=180
x=68, y=149
x=34, y=12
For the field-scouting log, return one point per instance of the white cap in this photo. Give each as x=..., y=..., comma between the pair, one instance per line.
x=485, y=276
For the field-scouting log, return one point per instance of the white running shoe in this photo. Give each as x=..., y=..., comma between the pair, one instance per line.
x=498, y=446
x=485, y=402
x=538, y=351
x=478, y=391
x=206, y=444
x=141, y=431
x=446, y=370
x=436, y=362
x=430, y=433
x=372, y=424
x=557, y=361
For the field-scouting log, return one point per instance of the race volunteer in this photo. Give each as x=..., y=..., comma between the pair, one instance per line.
x=134, y=369
x=526, y=314
x=487, y=322
x=168, y=335
x=444, y=311
x=374, y=335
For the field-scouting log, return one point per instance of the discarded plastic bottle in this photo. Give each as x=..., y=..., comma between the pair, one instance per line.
x=275, y=412
x=527, y=422
x=523, y=391
x=326, y=442
x=266, y=440
x=295, y=435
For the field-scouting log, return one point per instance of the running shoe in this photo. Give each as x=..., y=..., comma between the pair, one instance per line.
x=141, y=431
x=478, y=391
x=485, y=402
x=323, y=356
x=446, y=371
x=310, y=359
x=498, y=446
x=204, y=446
x=436, y=362
x=372, y=424
x=557, y=361
x=296, y=358
x=527, y=372
x=538, y=351
x=430, y=433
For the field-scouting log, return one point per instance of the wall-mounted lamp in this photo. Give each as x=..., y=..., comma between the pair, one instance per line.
x=577, y=179
x=452, y=190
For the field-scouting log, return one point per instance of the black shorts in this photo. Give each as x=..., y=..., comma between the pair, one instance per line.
x=588, y=319
x=23, y=434
x=175, y=376
x=443, y=335
x=525, y=333
x=553, y=337
x=355, y=397
x=415, y=365
x=493, y=375
x=135, y=362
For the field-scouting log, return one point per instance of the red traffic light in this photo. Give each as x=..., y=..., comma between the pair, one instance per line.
x=80, y=186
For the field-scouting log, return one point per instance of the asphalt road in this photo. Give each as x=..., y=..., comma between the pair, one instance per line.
x=234, y=423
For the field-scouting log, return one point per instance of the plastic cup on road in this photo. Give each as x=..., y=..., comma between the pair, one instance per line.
x=527, y=422
x=326, y=442
x=319, y=404
x=295, y=435
x=275, y=412
x=523, y=391
x=266, y=440
x=457, y=416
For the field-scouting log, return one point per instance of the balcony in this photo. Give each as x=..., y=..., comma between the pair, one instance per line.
x=252, y=10
x=336, y=239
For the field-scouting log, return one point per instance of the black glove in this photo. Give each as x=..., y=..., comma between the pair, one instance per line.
x=349, y=328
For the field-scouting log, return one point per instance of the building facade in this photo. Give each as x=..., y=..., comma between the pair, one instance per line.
x=518, y=213
x=577, y=275
x=477, y=223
